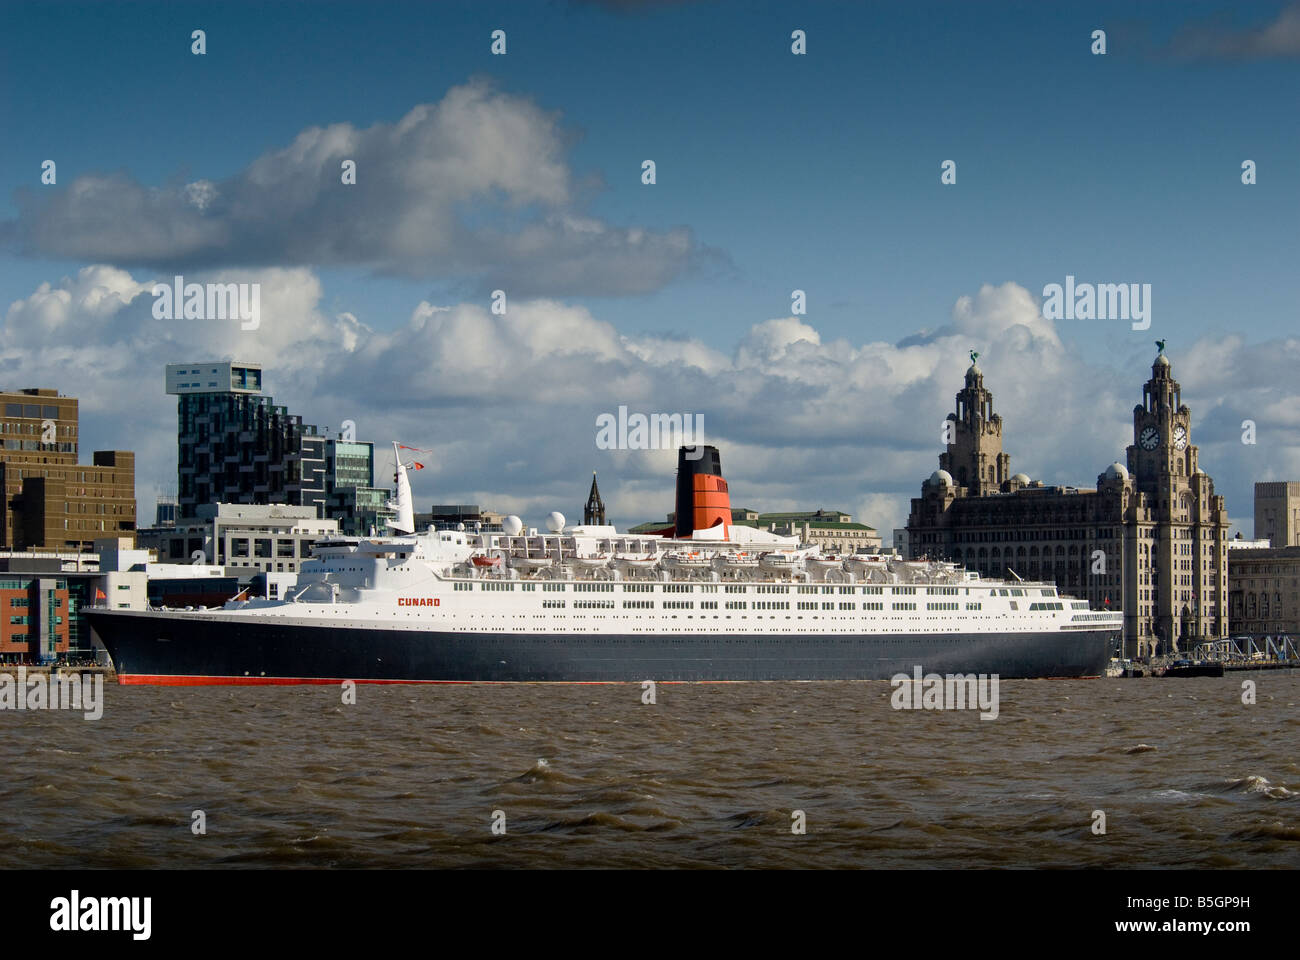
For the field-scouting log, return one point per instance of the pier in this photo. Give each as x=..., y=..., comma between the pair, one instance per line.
x=1249, y=653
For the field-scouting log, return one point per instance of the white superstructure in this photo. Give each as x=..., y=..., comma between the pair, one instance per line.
x=593, y=579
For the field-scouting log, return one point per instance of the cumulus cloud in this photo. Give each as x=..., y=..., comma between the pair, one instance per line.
x=475, y=186
x=509, y=403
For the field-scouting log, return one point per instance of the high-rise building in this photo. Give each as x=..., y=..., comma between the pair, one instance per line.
x=1152, y=536
x=351, y=496
x=50, y=501
x=1277, y=513
x=234, y=445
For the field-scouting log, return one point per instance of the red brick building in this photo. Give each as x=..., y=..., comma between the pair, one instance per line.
x=34, y=621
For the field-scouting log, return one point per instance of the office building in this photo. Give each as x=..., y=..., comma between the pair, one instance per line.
x=234, y=445
x=50, y=501
x=1277, y=513
x=1151, y=537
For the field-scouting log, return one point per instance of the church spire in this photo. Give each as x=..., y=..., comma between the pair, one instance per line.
x=594, y=511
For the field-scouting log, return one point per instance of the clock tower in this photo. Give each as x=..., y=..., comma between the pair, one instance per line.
x=1176, y=527
x=1161, y=447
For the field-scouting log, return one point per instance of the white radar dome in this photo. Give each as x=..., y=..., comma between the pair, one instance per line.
x=512, y=525
x=555, y=521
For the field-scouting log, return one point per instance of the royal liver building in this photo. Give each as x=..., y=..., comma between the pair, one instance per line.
x=1152, y=536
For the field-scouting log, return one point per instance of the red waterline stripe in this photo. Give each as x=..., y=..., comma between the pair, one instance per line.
x=170, y=680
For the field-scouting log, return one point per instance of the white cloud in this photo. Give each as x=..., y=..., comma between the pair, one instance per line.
x=474, y=186
x=509, y=402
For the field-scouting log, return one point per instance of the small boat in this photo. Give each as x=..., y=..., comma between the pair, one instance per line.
x=826, y=563
x=687, y=561
x=781, y=561
x=738, y=562
x=480, y=560
x=531, y=563
x=593, y=562
x=1193, y=668
x=628, y=562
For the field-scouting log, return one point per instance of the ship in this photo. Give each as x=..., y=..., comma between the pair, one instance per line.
x=701, y=599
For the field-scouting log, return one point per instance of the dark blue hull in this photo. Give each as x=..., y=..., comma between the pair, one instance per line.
x=175, y=648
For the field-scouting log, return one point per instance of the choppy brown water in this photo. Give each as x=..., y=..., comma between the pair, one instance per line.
x=587, y=776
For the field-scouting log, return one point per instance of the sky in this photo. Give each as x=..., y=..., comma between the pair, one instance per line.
x=820, y=172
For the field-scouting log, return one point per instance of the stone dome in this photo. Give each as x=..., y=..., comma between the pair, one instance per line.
x=1117, y=471
x=941, y=478
x=1162, y=361
x=1022, y=479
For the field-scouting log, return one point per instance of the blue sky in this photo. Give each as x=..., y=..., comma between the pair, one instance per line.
x=817, y=172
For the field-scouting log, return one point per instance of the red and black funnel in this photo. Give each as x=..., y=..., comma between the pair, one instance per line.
x=702, y=498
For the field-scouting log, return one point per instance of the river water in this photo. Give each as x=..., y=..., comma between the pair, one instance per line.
x=710, y=775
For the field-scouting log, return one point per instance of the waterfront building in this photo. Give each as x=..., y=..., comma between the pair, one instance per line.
x=235, y=446
x=1264, y=591
x=1277, y=513
x=50, y=501
x=1151, y=537
x=832, y=530
x=833, y=536
x=351, y=496
x=263, y=537
x=34, y=617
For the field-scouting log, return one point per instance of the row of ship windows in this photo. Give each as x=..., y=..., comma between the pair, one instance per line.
x=764, y=605
x=758, y=588
x=909, y=624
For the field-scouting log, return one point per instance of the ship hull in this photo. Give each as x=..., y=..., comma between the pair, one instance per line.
x=178, y=649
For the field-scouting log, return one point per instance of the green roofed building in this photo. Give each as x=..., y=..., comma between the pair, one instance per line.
x=833, y=530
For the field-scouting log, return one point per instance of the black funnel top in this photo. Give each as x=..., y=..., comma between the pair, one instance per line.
x=710, y=464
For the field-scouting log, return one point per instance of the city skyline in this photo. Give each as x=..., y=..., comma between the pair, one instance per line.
x=478, y=171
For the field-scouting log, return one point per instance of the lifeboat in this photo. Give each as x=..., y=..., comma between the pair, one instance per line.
x=781, y=561
x=739, y=562
x=687, y=561
x=825, y=563
x=480, y=560
x=629, y=562
x=867, y=564
x=531, y=563
x=593, y=562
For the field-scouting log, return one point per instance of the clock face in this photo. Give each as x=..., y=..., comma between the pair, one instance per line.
x=1180, y=437
x=1149, y=438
